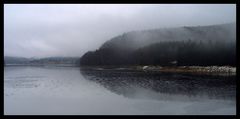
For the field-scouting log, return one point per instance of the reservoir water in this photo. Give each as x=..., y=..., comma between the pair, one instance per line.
x=77, y=91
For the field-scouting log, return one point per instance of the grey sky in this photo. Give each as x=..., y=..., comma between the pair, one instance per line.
x=43, y=30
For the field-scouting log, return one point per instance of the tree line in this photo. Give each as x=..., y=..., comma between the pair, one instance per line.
x=183, y=53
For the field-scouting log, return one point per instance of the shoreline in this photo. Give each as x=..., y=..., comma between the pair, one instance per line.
x=217, y=70
x=40, y=65
x=214, y=70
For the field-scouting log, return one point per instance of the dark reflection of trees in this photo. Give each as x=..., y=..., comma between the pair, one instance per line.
x=127, y=83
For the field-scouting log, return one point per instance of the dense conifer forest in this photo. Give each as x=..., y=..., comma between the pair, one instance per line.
x=184, y=46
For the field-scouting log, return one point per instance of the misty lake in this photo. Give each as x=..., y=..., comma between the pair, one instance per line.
x=32, y=90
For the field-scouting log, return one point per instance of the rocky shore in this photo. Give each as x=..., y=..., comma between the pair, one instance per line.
x=218, y=70
x=193, y=69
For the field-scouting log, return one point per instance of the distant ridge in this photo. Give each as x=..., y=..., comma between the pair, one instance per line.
x=10, y=60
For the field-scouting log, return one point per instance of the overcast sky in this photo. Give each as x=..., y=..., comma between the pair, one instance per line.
x=42, y=30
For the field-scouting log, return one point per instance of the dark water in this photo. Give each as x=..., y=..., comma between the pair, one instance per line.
x=125, y=82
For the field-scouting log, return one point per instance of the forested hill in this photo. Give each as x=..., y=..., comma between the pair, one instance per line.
x=197, y=45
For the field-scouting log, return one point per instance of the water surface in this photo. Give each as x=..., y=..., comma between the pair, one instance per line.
x=75, y=91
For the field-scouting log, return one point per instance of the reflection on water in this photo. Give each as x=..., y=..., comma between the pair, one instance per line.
x=129, y=83
x=74, y=91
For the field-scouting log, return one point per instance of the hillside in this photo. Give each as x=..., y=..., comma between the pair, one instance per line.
x=15, y=60
x=41, y=61
x=198, y=45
